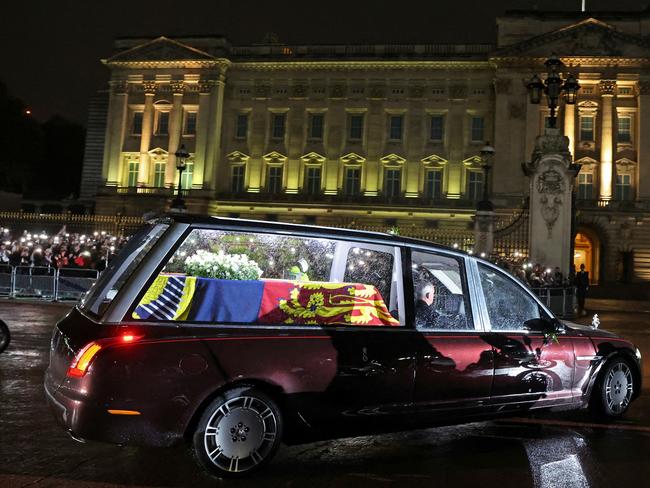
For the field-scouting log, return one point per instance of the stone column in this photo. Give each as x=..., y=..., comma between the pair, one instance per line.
x=115, y=130
x=149, y=88
x=175, y=128
x=483, y=232
x=643, y=180
x=552, y=176
x=457, y=138
x=213, y=150
x=606, y=139
x=570, y=126
x=202, y=128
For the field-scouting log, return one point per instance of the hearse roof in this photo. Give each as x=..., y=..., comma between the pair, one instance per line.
x=194, y=219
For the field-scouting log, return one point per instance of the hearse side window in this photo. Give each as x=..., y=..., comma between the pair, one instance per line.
x=112, y=278
x=508, y=305
x=440, y=293
x=232, y=277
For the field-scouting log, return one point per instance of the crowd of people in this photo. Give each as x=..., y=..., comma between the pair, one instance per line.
x=60, y=250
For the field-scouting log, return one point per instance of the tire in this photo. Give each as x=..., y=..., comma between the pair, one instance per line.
x=613, y=390
x=238, y=433
x=5, y=337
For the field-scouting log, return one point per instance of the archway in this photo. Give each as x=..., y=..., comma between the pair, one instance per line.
x=587, y=252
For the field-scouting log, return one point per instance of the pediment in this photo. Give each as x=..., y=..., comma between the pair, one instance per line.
x=587, y=162
x=313, y=158
x=434, y=160
x=392, y=159
x=590, y=37
x=274, y=157
x=158, y=152
x=159, y=50
x=625, y=162
x=237, y=157
x=473, y=161
x=352, y=158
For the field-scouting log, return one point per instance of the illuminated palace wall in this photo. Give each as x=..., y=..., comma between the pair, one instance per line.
x=380, y=135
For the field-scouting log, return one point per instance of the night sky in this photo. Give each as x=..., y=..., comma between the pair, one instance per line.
x=50, y=49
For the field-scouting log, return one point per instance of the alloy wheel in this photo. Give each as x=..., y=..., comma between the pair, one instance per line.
x=619, y=387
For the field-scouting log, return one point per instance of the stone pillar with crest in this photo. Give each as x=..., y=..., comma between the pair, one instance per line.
x=552, y=174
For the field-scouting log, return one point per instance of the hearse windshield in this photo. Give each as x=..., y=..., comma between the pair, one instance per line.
x=120, y=268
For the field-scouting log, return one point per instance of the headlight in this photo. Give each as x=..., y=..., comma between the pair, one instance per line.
x=638, y=354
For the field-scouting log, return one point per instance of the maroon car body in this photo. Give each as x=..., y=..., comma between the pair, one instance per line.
x=151, y=381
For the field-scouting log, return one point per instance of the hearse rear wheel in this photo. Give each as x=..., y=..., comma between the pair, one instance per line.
x=238, y=433
x=613, y=390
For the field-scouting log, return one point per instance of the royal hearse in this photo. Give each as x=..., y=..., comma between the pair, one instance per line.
x=237, y=335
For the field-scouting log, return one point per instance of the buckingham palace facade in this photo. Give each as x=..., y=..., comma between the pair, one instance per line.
x=381, y=136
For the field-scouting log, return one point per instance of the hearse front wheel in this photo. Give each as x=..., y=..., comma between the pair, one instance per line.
x=238, y=433
x=613, y=390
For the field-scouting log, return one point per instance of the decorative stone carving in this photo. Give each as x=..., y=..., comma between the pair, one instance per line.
x=262, y=91
x=416, y=91
x=458, y=91
x=337, y=91
x=177, y=86
x=551, y=186
x=607, y=87
x=299, y=91
x=119, y=87
x=205, y=86
x=377, y=92
x=503, y=86
x=149, y=87
x=517, y=111
x=643, y=87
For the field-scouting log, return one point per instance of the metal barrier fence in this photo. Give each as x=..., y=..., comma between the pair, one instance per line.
x=560, y=300
x=45, y=282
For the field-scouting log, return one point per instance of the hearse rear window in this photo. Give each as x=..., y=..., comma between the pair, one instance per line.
x=230, y=277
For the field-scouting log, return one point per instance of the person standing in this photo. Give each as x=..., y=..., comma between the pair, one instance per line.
x=582, y=286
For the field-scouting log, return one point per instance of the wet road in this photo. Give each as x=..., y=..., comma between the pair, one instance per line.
x=548, y=451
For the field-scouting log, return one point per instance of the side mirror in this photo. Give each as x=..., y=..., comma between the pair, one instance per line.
x=544, y=326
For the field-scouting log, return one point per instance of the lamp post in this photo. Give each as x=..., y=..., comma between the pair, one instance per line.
x=553, y=87
x=181, y=155
x=487, y=155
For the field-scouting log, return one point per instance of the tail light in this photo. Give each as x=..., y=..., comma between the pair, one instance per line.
x=85, y=356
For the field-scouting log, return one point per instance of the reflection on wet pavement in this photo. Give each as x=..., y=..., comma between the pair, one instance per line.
x=545, y=452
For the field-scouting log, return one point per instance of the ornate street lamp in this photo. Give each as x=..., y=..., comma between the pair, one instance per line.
x=553, y=87
x=181, y=156
x=487, y=156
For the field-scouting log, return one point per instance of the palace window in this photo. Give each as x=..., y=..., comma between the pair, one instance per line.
x=437, y=128
x=585, y=186
x=474, y=185
x=395, y=127
x=190, y=124
x=624, y=187
x=316, y=123
x=392, y=182
x=159, y=168
x=277, y=126
x=312, y=180
x=136, y=127
x=352, y=181
x=587, y=128
x=241, y=131
x=478, y=129
x=274, y=183
x=188, y=174
x=356, y=127
x=134, y=168
x=237, y=178
x=162, y=126
x=624, y=128
x=433, y=183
